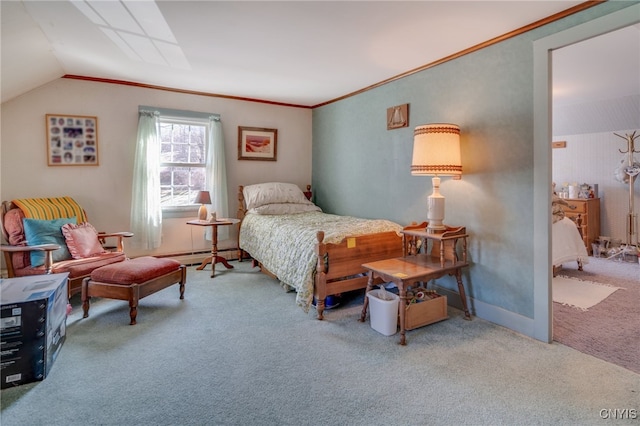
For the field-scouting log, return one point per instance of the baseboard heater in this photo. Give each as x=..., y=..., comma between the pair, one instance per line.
x=196, y=258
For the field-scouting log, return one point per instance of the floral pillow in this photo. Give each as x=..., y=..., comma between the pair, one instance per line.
x=82, y=240
x=273, y=193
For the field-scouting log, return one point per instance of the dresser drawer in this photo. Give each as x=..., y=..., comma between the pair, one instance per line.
x=574, y=217
x=589, y=211
x=575, y=206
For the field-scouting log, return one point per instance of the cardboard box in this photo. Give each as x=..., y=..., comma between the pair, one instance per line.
x=33, y=319
x=425, y=312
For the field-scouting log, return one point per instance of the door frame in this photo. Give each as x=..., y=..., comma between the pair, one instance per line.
x=542, y=136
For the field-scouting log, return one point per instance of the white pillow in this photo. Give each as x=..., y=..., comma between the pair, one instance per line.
x=285, y=208
x=273, y=193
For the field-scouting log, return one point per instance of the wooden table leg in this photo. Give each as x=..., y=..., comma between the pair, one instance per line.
x=214, y=258
x=463, y=296
x=365, y=305
x=205, y=262
x=219, y=259
x=403, y=310
x=214, y=249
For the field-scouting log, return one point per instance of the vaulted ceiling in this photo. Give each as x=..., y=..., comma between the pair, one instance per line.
x=293, y=52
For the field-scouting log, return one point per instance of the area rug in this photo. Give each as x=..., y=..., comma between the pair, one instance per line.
x=578, y=293
x=609, y=330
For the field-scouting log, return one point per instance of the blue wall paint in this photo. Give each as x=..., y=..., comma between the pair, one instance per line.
x=362, y=169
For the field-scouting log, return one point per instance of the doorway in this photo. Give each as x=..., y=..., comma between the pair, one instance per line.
x=543, y=49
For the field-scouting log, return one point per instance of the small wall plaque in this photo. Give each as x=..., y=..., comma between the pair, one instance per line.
x=559, y=144
x=398, y=116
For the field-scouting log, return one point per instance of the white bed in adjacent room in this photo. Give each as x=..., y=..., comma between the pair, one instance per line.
x=567, y=244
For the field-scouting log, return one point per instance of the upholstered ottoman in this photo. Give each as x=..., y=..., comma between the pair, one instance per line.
x=132, y=280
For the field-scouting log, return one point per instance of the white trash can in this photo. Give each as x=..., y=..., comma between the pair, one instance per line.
x=383, y=314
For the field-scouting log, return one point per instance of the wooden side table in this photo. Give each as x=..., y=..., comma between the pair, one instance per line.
x=442, y=259
x=214, y=258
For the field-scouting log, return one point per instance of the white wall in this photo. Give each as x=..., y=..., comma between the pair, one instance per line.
x=592, y=158
x=105, y=191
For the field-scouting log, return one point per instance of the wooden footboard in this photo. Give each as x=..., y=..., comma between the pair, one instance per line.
x=339, y=266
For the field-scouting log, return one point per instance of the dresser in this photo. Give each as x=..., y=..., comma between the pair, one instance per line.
x=589, y=209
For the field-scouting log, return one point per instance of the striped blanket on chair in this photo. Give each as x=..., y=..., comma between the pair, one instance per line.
x=51, y=208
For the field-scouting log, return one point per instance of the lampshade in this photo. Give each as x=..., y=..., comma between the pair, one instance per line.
x=202, y=198
x=436, y=152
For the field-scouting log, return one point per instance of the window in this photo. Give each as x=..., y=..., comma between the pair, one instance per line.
x=182, y=160
x=177, y=154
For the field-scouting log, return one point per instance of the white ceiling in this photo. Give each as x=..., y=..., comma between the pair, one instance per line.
x=294, y=52
x=601, y=68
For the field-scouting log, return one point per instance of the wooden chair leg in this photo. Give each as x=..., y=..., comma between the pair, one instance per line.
x=85, y=298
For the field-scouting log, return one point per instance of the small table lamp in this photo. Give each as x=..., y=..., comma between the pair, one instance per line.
x=436, y=152
x=202, y=198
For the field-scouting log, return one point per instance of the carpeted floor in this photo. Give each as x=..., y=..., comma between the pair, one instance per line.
x=609, y=330
x=238, y=351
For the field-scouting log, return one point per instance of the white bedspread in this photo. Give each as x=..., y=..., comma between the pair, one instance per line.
x=567, y=244
x=285, y=243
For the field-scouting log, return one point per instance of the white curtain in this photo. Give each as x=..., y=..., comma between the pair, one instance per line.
x=146, y=212
x=216, y=177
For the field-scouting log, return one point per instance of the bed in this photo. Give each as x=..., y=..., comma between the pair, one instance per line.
x=309, y=251
x=567, y=244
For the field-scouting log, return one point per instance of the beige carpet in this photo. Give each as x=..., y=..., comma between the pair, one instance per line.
x=579, y=293
x=237, y=351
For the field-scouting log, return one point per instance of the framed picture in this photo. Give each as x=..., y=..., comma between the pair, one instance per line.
x=72, y=140
x=255, y=143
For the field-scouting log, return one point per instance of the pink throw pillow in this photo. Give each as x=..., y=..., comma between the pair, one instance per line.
x=82, y=240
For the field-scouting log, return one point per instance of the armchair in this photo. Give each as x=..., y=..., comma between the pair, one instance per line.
x=75, y=259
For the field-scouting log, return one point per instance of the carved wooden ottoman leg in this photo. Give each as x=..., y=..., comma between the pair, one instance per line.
x=134, y=296
x=183, y=280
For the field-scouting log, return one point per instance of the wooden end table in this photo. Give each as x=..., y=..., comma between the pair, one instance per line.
x=214, y=258
x=415, y=267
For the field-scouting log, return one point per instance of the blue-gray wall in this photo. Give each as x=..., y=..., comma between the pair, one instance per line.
x=362, y=169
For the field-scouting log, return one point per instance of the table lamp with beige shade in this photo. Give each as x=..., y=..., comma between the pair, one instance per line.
x=436, y=152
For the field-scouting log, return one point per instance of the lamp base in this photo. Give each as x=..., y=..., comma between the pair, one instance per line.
x=202, y=212
x=435, y=209
x=435, y=229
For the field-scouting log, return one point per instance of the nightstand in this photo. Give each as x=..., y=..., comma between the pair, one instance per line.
x=426, y=257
